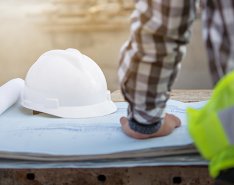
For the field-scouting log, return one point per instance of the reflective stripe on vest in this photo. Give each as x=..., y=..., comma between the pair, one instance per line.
x=226, y=117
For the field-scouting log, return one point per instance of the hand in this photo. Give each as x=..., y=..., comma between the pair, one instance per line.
x=170, y=122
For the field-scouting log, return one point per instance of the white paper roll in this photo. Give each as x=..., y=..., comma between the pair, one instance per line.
x=10, y=93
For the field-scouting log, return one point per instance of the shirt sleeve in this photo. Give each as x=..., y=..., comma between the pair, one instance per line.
x=150, y=59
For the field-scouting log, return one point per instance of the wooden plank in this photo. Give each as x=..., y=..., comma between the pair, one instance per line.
x=181, y=95
x=110, y=176
x=191, y=95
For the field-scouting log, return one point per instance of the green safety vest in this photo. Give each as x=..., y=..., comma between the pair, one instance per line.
x=212, y=127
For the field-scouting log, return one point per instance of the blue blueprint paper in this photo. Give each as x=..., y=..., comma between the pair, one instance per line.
x=22, y=132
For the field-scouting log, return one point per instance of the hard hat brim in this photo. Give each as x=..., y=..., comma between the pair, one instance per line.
x=96, y=110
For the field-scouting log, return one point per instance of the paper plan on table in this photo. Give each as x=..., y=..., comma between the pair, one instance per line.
x=9, y=93
x=44, y=137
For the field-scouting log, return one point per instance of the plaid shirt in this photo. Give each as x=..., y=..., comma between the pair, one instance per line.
x=150, y=59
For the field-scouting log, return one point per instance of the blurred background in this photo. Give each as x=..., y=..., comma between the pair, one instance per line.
x=98, y=28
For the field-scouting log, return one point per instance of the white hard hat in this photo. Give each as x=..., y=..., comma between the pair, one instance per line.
x=68, y=84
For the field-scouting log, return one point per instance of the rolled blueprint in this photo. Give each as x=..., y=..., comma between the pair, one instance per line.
x=10, y=93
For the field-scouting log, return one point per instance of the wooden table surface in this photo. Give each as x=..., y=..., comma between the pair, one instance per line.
x=154, y=175
x=181, y=95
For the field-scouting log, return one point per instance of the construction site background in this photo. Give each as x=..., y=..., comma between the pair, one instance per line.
x=98, y=28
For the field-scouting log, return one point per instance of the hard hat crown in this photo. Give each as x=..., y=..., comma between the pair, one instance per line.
x=66, y=79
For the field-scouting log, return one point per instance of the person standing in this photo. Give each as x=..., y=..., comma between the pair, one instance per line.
x=150, y=59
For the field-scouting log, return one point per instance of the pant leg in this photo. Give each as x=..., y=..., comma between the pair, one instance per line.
x=225, y=177
x=218, y=32
x=150, y=60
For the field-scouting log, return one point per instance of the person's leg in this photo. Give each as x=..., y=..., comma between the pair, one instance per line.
x=218, y=32
x=225, y=178
x=150, y=60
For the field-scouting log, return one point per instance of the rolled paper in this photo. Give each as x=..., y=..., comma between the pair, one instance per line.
x=10, y=93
